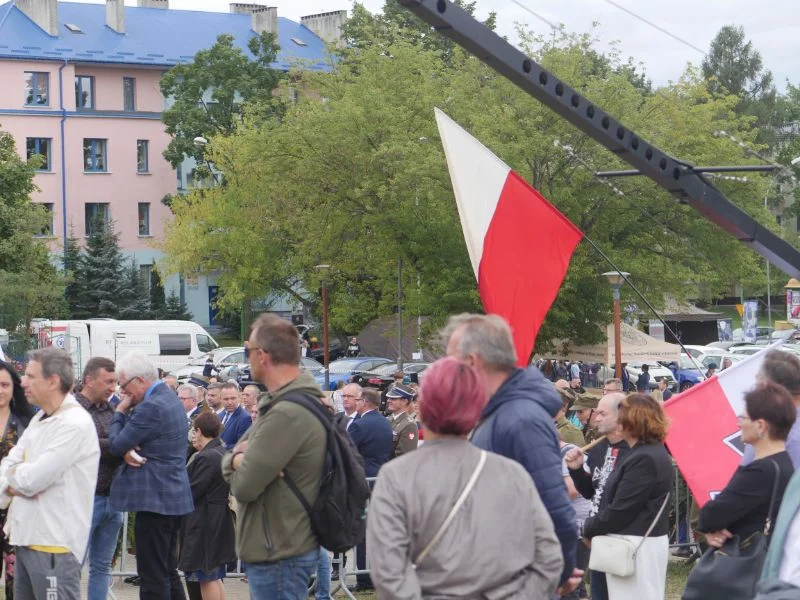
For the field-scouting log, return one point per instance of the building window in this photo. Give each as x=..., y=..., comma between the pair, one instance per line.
x=84, y=92
x=37, y=88
x=39, y=147
x=145, y=274
x=144, y=218
x=94, y=154
x=141, y=156
x=179, y=173
x=96, y=217
x=129, y=94
x=47, y=228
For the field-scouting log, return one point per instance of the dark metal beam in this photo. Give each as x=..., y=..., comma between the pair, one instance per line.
x=733, y=169
x=672, y=175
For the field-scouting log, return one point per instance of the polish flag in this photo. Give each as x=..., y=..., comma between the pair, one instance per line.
x=519, y=244
x=704, y=437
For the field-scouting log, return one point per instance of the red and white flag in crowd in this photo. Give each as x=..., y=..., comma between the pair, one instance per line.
x=704, y=437
x=519, y=244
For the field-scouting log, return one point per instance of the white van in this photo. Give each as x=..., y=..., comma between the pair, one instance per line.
x=169, y=344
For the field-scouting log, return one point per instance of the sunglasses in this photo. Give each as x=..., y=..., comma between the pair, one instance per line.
x=248, y=350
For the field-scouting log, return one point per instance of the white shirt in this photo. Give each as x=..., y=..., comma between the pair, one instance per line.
x=351, y=418
x=54, y=466
x=790, y=564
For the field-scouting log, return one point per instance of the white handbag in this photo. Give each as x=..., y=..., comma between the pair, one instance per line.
x=616, y=555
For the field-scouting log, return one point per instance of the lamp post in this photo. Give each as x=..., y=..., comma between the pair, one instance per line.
x=325, y=356
x=616, y=279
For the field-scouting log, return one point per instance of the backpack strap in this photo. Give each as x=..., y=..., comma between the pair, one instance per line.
x=315, y=407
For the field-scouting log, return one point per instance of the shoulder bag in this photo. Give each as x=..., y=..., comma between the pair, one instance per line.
x=616, y=555
x=464, y=493
x=732, y=571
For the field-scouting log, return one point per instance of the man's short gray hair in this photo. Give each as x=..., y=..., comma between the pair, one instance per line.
x=230, y=385
x=214, y=386
x=136, y=364
x=192, y=389
x=359, y=391
x=55, y=362
x=486, y=336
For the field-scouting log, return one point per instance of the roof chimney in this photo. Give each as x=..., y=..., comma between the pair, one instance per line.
x=327, y=26
x=152, y=4
x=265, y=18
x=115, y=15
x=242, y=8
x=42, y=12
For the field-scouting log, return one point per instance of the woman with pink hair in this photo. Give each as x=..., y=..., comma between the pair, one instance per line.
x=451, y=520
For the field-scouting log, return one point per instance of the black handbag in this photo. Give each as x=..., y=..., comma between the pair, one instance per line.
x=732, y=571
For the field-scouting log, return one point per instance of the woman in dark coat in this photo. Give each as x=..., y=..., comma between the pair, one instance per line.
x=15, y=414
x=207, y=544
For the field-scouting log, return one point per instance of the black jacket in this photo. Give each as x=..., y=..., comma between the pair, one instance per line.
x=634, y=493
x=372, y=435
x=207, y=539
x=742, y=506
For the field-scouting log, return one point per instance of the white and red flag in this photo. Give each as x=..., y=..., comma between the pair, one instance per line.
x=519, y=244
x=704, y=437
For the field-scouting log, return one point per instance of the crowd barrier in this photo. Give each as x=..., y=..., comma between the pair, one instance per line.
x=680, y=536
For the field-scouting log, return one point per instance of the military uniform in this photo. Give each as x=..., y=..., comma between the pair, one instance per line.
x=569, y=433
x=404, y=434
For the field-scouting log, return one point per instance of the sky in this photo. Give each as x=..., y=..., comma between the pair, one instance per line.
x=772, y=25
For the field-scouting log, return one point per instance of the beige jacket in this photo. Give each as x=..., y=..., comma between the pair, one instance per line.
x=501, y=543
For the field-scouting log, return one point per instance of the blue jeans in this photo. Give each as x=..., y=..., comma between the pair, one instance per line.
x=106, y=525
x=323, y=591
x=282, y=580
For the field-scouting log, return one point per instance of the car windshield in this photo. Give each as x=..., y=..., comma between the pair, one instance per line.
x=387, y=369
x=309, y=364
x=344, y=366
x=688, y=363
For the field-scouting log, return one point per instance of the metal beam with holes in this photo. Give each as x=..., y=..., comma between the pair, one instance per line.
x=676, y=177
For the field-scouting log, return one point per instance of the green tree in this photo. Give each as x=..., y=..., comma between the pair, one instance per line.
x=100, y=277
x=360, y=182
x=209, y=93
x=135, y=302
x=175, y=309
x=158, y=303
x=29, y=284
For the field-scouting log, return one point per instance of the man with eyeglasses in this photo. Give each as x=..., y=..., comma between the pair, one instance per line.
x=153, y=482
x=351, y=395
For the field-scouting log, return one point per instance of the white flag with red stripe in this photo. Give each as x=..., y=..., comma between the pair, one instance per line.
x=704, y=437
x=519, y=244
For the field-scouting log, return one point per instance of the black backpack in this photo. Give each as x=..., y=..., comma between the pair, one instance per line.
x=339, y=515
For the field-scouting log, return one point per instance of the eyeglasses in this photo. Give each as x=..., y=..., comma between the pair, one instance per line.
x=349, y=396
x=127, y=383
x=250, y=349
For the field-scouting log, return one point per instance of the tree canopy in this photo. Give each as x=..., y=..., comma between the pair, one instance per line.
x=353, y=175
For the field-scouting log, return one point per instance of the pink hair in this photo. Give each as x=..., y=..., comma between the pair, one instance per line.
x=451, y=397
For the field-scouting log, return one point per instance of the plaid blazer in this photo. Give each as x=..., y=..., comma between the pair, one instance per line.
x=159, y=427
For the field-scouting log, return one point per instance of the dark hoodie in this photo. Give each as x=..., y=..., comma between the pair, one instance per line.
x=518, y=423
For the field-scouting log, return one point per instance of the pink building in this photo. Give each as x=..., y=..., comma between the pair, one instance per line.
x=80, y=86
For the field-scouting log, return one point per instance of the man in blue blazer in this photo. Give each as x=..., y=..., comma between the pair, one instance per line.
x=153, y=482
x=372, y=435
x=235, y=419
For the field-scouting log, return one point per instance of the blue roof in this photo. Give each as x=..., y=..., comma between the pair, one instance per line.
x=152, y=36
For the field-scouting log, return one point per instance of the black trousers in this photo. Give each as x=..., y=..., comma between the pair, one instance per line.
x=157, y=556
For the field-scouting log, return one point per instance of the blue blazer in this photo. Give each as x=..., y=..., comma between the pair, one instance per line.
x=159, y=427
x=237, y=424
x=372, y=435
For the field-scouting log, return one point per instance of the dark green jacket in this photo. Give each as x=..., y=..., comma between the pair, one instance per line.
x=569, y=433
x=272, y=524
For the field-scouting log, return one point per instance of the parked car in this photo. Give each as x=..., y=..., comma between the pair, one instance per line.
x=763, y=334
x=223, y=358
x=745, y=350
x=306, y=364
x=716, y=356
x=696, y=351
x=687, y=373
x=344, y=369
x=657, y=372
x=381, y=377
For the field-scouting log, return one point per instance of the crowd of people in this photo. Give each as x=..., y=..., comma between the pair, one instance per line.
x=523, y=488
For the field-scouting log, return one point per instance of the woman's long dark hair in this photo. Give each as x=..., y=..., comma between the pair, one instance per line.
x=20, y=407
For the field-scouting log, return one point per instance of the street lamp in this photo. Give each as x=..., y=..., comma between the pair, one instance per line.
x=325, y=357
x=617, y=279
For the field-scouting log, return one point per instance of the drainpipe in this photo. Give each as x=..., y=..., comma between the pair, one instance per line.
x=63, y=158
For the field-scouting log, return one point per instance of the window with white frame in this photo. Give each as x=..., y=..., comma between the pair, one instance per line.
x=95, y=156
x=39, y=147
x=128, y=94
x=37, y=88
x=84, y=92
x=145, y=273
x=47, y=227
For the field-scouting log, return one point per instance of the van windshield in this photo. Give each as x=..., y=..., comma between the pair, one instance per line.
x=206, y=343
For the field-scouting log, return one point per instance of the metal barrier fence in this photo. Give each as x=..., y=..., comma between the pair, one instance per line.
x=680, y=536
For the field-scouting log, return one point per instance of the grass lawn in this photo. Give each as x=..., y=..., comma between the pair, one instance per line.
x=677, y=572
